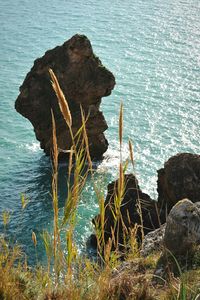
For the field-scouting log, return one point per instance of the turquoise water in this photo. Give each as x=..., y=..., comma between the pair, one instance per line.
x=153, y=49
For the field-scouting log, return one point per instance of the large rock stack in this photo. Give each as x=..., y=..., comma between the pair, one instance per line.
x=84, y=81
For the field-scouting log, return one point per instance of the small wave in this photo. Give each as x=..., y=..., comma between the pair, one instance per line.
x=33, y=147
x=111, y=159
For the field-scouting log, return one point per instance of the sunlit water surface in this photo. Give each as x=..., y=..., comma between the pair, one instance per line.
x=153, y=49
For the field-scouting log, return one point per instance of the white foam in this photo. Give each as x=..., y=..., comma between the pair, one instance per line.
x=34, y=147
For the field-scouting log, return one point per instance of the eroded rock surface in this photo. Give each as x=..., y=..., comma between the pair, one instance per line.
x=129, y=211
x=153, y=241
x=179, y=179
x=83, y=79
x=182, y=232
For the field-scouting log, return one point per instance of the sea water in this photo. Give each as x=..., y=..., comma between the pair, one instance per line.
x=152, y=48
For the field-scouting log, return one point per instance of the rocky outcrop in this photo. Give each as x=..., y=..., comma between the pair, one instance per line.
x=129, y=211
x=180, y=243
x=83, y=79
x=182, y=232
x=179, y=179
x=153, y=241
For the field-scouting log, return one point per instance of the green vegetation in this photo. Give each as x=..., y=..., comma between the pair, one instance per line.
x=69, y=276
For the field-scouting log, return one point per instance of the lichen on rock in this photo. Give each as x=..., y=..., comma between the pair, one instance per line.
x=182, y=232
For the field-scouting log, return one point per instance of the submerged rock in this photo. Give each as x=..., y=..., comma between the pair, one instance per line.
x=182, y=232
x=83, y=79
x=130, y=215
x=179, y=179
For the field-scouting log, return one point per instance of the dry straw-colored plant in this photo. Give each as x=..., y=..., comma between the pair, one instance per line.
x=61, y=99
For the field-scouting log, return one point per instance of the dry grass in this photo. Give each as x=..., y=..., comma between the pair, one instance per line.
x=61, y=99
x=122, y=281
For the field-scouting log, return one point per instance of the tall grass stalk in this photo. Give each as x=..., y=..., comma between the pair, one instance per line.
x=121, y=188
x=5, y=219
x=118, y=190
x=47, y=240
x=34, y=239
x=56, y=233
x=139, y=204
x=121, y=128
x=61, y=99
x=85, y=136
x=63, y=104
x=78, y=154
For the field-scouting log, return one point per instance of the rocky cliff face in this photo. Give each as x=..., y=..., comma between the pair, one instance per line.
x=179, y=179
x=83, y=79
x=129, y=211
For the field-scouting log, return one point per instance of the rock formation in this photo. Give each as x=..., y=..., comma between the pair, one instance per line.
x=153, y=241
x=83, y=79
x=179, y=179
x=182, y=232
x=129, y=211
